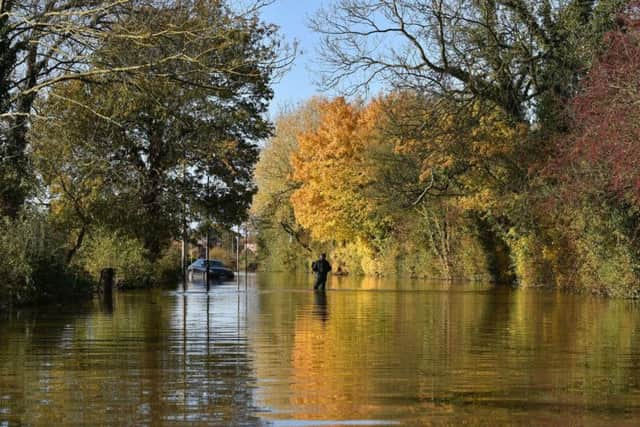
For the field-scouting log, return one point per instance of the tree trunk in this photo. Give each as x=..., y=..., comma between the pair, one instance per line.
x=497, y=252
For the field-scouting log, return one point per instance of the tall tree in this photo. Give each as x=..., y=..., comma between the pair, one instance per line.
x=602, y=154
x=519, y=55
x=41, y=42
x=47, y=42
x=272, y=204
x=182, y=135
x=331, y=168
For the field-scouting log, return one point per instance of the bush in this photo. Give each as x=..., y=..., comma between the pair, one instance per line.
x=33, y=262
x=127, y=255
x=607, y=257
x=280, y=252
x=166, y=269
x=588, y=248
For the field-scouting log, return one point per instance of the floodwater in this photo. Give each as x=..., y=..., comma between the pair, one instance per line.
x=366, y=352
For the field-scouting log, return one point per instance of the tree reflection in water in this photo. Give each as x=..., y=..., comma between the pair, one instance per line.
x=389, y=351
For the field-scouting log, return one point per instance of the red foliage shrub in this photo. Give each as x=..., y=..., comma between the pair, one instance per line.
x=604, y=146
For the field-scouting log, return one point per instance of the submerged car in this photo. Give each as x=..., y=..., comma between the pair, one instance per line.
x=217, y=270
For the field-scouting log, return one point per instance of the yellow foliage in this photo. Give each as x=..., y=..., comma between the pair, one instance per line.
x=332, y=172
x=273, y=171
x=473, y=148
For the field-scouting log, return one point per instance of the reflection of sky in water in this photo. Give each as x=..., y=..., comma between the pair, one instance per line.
x=218, y=316
x=211, y=337
x=153, y=357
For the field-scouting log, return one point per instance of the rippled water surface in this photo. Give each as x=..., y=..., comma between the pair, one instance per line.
x=366, y=352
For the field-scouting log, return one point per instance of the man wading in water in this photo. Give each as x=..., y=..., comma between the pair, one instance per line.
x=321, y=267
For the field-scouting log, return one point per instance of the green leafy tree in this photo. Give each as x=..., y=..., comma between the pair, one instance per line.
x=146, y=151
x=47, y=42
x=41, y=42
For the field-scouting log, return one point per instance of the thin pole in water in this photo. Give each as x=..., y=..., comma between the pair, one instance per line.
x=246, y=242
x=183, y=258
x=207, y=249
x=206, y=263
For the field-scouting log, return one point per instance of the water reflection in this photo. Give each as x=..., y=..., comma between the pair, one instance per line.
x=437, y=353
x=365, y=352
x=158, y=358
x=107, y=302
x=320, y=308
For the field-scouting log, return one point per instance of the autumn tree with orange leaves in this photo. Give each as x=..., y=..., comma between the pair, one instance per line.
x=510, y=151
x=333, y=173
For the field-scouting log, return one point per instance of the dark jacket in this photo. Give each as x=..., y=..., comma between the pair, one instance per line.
x=321, y=267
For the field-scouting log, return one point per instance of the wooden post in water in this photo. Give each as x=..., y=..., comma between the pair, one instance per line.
x=107, y=276
x=206, y=262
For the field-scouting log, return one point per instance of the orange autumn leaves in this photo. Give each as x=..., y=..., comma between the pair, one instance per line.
x=469, y=152
x=332, y=167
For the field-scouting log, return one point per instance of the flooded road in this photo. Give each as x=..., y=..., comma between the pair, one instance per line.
x=366, y=352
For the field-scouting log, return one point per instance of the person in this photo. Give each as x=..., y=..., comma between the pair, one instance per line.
x=321, y=268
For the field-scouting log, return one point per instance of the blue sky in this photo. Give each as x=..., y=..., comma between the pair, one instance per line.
x=292, y=17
